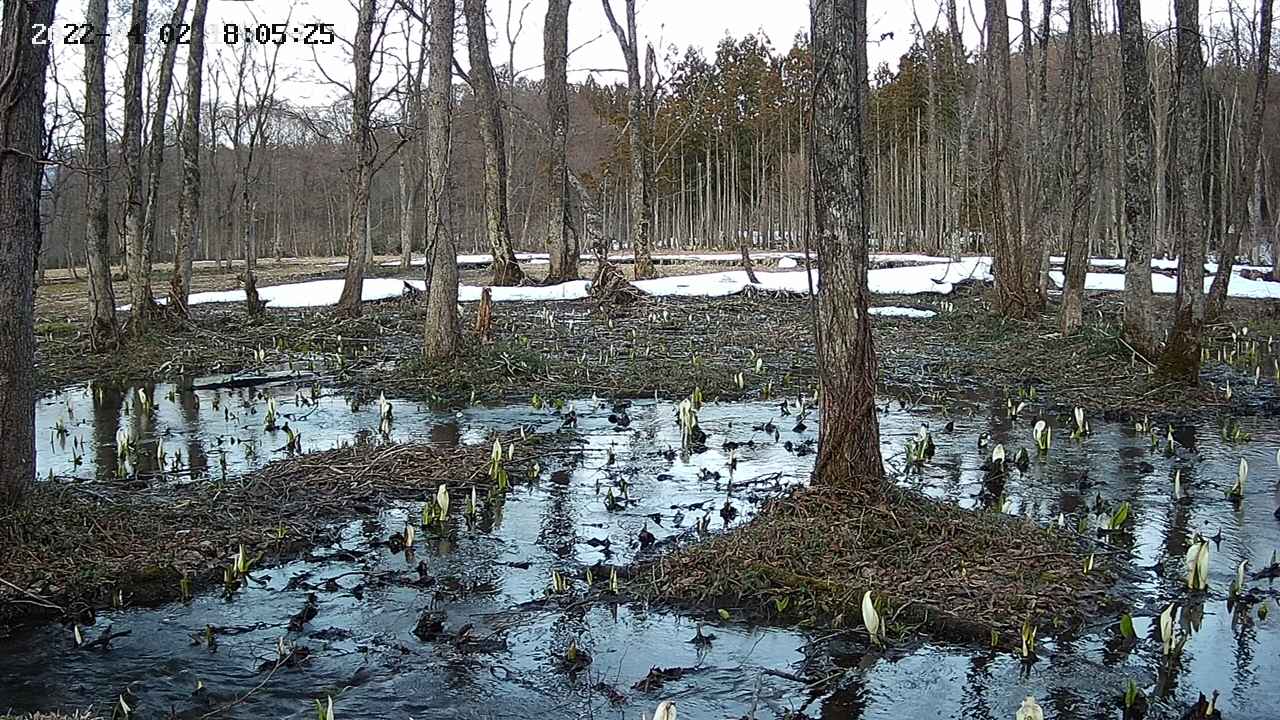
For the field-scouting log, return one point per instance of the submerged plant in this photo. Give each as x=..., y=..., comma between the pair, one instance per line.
x=1119, y=517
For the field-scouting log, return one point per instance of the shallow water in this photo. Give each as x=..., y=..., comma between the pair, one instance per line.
x=494, y=573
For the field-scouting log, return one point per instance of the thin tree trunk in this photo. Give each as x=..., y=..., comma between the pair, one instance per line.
x=104, y=332
x=441, y=336
x=131, y=149
x=155, y=159
x=1239, y=208
x=1139, y=327
x=506, y=270
x=555, y=48
x=1080, y=134
x=849, y=435
x=1181, y=357
x=362, y=142
x=22, y=92
x=641, y=187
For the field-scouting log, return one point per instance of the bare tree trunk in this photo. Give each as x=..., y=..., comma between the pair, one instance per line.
x=362, y=141
x=104, y=332
x=555, y=49
x=1080, y=134
x=131, y=149
x=1139, y=327
x=441, y=336
x=638, y=131
x=155, y=158
x=1239, y=210
x=849, y=436
x=1181, y=356
x=1018, y=298
x=22, y=67
x=506, y=271
x=188, y=232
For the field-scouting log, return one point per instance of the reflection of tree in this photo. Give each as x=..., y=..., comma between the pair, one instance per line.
x=189, y=407
x=977, y=681
x=1246, y=636
x=108, y=401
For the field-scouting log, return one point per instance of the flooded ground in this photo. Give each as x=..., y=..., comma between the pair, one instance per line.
x=467, y=625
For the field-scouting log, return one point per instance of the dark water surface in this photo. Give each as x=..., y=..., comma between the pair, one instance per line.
x=493, y=575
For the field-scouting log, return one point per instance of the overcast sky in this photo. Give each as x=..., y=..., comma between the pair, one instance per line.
x=682, y=23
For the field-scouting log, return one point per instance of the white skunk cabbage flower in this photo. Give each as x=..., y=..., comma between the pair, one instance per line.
x=1166, y=629
x=1198, y=564
x=997, y=453
x=1177, y=485
x=442, y=499
x=871, y=618
x=1041, y=434
x=408, y=536
x=1079, y=416
x=666, y=711
x=1030, y=710
x=122, y=442
x=384, y=406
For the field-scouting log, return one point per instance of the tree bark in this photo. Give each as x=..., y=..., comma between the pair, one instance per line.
x=1017, y=294
x=555, y=49
x=155, y=158
x=1181, y=357
x=638, y=131
x=506, y=270
x=104, y=331
x=188, y=232
x=1139, y=327
x=362, y=174
x=849, y=435
x=1080, y=134
x=131, y=150
x=1239, y=209
x=441, y=333
x=22, y=92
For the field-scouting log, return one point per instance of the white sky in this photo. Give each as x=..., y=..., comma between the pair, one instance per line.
x=700, y=23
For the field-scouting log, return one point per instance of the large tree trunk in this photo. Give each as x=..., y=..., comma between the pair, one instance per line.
x=441, y=334
x=155, y=159
x=555, y=49
x=188, y=231
x=1135, y=111
x=1181, y=357
x=104, y=332
x=1239, y=210
x=1080, y=134
x=131, y=150
x=1014, y=271
x=362, y=176
x=506, y=271
x=849, y=436
x=22, y=67
x=638, y=131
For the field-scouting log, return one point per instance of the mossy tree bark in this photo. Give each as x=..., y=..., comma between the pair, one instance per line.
x=1082, y=152
x=441, y=335
x=1139, y=328
x=1015, y=271
x=104, y=330
x=849, y=436
x=139, y=262
x=506, y=270
x=555, y=59
x=22, y=92
x=1181, y=357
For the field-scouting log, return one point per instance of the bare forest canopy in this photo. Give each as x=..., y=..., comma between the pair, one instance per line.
x=728, y=153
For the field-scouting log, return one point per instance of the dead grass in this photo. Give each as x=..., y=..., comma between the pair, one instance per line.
x=69, y=548
x=78, y=715
x=954, y=573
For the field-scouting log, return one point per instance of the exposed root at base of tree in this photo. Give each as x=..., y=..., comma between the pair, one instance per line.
x=610, y=287
x=142, y=540
x=942, y=570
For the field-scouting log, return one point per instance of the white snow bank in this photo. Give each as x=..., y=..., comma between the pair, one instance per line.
x=1240, y=287
x=897, y=311
x=788, y=263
